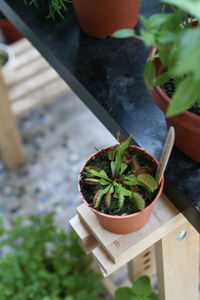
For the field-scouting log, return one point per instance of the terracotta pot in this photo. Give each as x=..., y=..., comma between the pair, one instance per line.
x=186, y=124
x=130, y=223
x=100, y=18
x=10, y=32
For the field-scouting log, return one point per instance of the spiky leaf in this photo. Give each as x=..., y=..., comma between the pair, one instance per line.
x=98, y=196
x=138, y=201
x=148, y=182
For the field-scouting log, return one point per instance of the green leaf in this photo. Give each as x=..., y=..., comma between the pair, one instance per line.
x=191, y=7
x=90, y=180
x=111, y=153
x=119, y=155
x=138, y=201
x=121, y=198
x=163, y=78
x=148, y=38
x=148, y=182
x=124, y=293
x=132, y=182
x=108, y=199
x=142, y=286
x=101, y=174
x=149, y=73
x=104, y=182
x=98, y=196
x=153, y=296
x=184, y=97
x=123, y=33
x=123, y=168
x=112, y=166
x=130, y=177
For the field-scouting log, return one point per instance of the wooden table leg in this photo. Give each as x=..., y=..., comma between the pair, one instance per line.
x=143, y=264
x=10, y=140
x=178, y=264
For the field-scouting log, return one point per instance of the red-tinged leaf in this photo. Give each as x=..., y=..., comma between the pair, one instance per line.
x=138, y=201
x=142, y=170
x=148, y=182
x=111, y=153
x=97, y=198
x=134, y=164
x=119, y=137
x=134, y=188
x=92, y=181
x=108, y=199
x=126, y=158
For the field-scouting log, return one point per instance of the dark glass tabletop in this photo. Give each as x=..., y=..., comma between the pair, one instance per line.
x=107, y=75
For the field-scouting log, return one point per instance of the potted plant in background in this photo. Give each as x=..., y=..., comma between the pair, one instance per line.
x=119, y=185
x=9, y=31
x=98, y=18
x=172, y=72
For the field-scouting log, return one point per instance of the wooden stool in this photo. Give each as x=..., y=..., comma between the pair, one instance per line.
x=168, y=242
x=33, y=82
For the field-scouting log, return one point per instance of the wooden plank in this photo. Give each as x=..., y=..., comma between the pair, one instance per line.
x=178, y=265
x=143, y=264
x=87, y=241
x=26, y=72
x=34, y=83
x=21, y=46
x=165, y=217
x=26, y=57
x=39, y=97
x=10, y=140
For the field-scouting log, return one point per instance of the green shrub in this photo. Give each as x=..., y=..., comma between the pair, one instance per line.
x=42, y=263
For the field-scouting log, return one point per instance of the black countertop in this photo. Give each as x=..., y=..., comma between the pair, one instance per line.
x=108, y=77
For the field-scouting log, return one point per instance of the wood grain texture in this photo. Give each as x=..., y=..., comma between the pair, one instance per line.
x=178, y=265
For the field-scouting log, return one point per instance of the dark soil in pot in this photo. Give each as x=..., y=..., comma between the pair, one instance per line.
x=101, y=161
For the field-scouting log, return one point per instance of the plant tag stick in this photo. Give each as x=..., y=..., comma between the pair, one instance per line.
x=169, y=142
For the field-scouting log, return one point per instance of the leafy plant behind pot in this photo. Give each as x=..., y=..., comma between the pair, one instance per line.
x=127, y=182
x=44, y=263
x=55, y=7
x=178, y=44
x=140, y=290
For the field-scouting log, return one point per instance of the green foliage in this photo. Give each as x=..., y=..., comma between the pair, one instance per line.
x=128, y=180
x=170, y=33
x=44, y=263
x=140, y=290
x=56, y=7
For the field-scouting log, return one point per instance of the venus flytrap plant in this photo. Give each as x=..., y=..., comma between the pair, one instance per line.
x=128, y=181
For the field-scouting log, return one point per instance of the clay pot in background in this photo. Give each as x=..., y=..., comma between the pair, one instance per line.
x=10, y=32
x=100, y=18
x=186, y=124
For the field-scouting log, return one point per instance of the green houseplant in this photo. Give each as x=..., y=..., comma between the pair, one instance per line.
x=119, y=185
x=172, y=72
x=40, y=262
x=98, y=18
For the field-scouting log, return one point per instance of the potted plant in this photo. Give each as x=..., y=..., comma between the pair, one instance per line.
x=172, y=72
x=98, y=18
x=118, y=183
x=10, y=33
